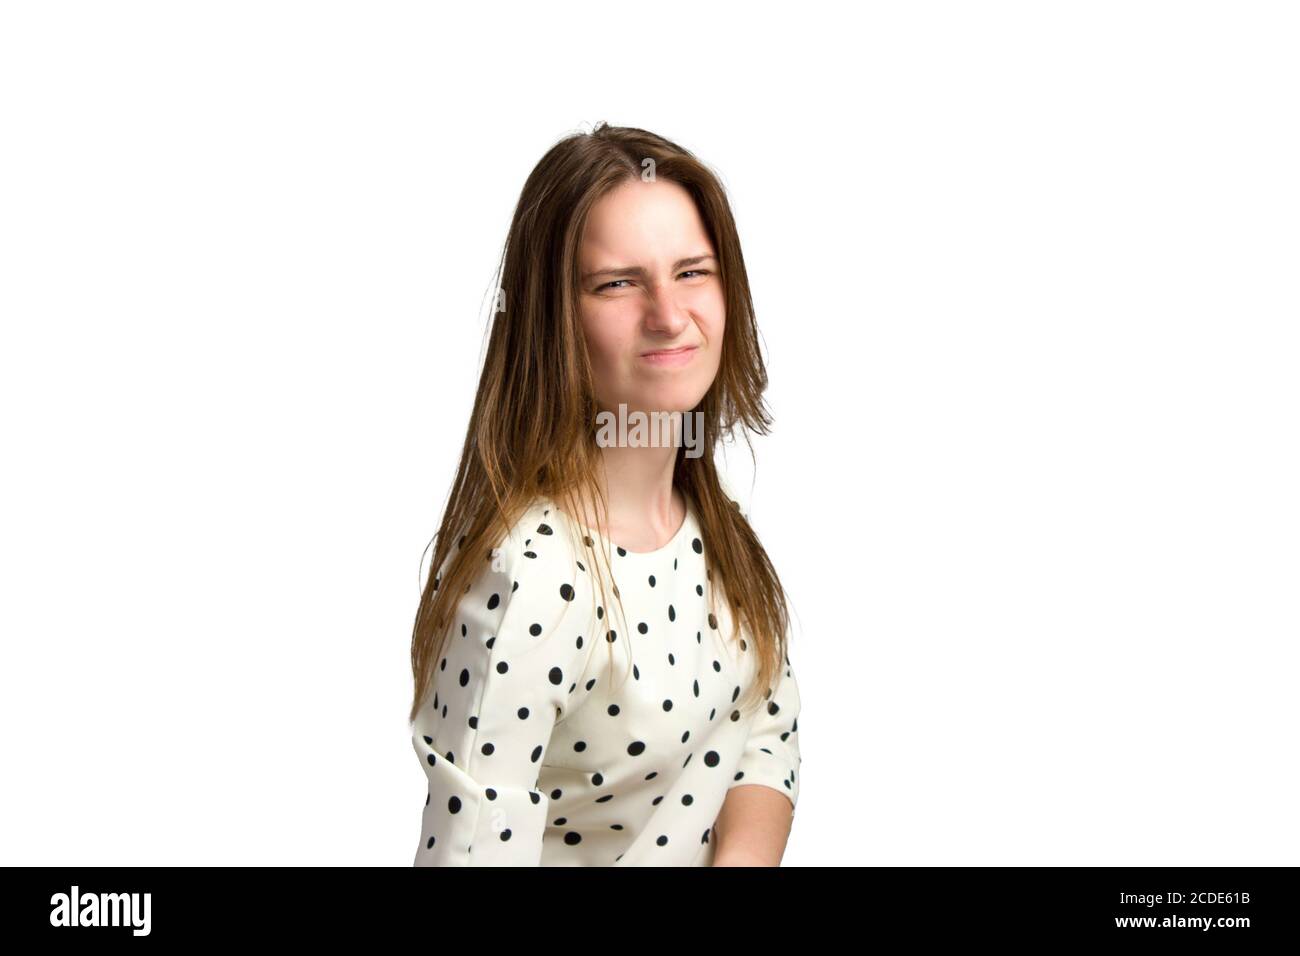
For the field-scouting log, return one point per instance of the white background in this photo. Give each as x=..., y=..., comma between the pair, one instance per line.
x=1026, y=274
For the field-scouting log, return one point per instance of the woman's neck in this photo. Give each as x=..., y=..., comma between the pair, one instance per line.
x=644, y=509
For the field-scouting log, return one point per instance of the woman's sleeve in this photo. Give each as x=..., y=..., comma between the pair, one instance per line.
x=771, y=755
x=500, y=686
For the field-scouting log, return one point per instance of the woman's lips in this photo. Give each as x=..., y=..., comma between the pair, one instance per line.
x=671, y=356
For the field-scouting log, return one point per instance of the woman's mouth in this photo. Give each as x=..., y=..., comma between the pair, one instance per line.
x=671, y=356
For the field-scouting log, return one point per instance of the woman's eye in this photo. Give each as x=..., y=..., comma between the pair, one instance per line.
x=614, y=283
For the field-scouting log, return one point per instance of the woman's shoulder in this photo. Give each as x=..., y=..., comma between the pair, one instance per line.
x=537, y=568
x=540, y=541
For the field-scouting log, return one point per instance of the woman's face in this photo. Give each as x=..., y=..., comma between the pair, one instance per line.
x=648, y=282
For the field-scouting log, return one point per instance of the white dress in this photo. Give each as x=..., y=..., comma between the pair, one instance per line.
x=540, y=752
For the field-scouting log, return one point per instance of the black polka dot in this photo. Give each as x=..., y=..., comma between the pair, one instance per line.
x=453, y=805
x=493, y=601
x=566, y=592
x=697, y=545
x=556, y=675
x=635, y=747
x=534, y=629
x=711, y=758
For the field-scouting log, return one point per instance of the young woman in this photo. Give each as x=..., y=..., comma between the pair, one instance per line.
x=601, y=666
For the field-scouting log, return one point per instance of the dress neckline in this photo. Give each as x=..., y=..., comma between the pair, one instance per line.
x=668, y=548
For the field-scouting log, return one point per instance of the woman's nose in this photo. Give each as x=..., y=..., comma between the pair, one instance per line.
x=663, y=312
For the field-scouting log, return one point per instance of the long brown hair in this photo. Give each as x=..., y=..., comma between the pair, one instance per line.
x=532, y=429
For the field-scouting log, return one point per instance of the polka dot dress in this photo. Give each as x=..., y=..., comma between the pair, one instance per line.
x=541, y=750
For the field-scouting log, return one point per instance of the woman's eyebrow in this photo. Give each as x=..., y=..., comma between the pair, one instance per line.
x=638, y=270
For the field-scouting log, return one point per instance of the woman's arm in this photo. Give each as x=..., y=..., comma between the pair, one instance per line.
x=753, y=826
x=754, y=823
